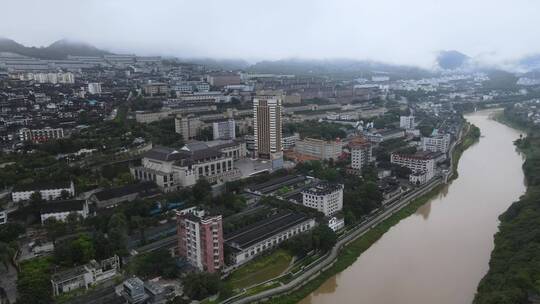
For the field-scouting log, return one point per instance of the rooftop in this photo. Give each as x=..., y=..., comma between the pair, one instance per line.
x=421, y=155
x=68, y=274
x=264, y=229
x=62, y=206
x=277, y=183
x=125, y=190
x=391, y=131
x=323, y=188
x=223, y=143
x=163, y=154
x=359, y=143
x=42, y=186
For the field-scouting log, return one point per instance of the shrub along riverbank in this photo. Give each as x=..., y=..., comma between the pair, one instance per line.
x=351, y=252
x=514, y=268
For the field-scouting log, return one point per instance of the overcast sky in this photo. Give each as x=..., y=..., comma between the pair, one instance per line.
x=396, y=31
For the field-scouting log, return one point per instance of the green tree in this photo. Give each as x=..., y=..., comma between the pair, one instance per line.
x=76, y=251
x=35, y=201
x=36, y=197
x=300, y=245
x=324, y=238
x=155, y=263
x=140, y=224
x=33, y=282
x=425, y=130
x=198, y=286
x=73, y=219
x=10, y=232
x=82, y=249
x=65, y=195
x=102, y=246
x=118, y=233
x=225, y=290
x=201, y=189
x=54, y=228
x=401, y=172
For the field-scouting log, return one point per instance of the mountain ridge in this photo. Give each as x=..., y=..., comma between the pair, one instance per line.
x=445, y=60
x=57, y=50
x=451, y=59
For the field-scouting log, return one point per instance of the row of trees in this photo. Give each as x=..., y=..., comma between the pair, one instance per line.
x=82, y=247
x=33, y=282
x=153, y=264
x=321, y=238
x=314, y=129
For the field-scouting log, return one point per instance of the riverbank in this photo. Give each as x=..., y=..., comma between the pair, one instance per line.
x=514, y=267
x=512, y=123
x=349, y=254
x=472, y=135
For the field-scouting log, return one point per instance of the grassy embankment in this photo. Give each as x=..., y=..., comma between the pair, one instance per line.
x=514, y=267
x=351, y=252
x=261, y=269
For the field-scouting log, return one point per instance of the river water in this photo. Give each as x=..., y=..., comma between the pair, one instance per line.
x=439, y=254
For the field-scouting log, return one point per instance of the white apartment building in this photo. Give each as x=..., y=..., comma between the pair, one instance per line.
x=406, y=122
x=419, y=162
x=321, y=149
x=156, y=88
x=65, y=77
x=40, y=135
x=3, y=216
x=94, y=88
x=209, y=96
x=188, y=126
x=326, y=198
x=290, y=141
x=418, y=178
x=379, y=78
x=250, y=142
x=379, y=137
x=191, y=86
x=59, y=77
x=437, y=143
x=48, y=192
x=336, y=223
x=224, y=129
x=361, y=154
x=60, y=210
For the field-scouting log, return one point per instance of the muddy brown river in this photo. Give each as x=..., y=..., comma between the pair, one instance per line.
x=439, y=254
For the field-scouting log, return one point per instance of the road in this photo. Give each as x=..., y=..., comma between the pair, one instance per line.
x=8, y=280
